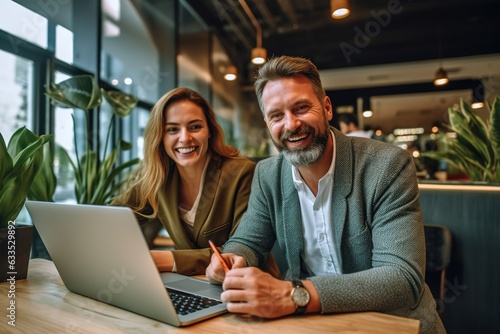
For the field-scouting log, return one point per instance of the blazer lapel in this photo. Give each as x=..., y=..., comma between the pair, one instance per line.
x=210, y=184
x=291, y=226
x=342, y=185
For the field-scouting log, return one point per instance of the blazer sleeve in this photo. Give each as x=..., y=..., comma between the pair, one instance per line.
x=393, y=277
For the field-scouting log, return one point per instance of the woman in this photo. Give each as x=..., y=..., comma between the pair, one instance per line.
x=190, y=181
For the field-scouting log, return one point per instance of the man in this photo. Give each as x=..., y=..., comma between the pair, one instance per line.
x=348, y=124
x=344, y=211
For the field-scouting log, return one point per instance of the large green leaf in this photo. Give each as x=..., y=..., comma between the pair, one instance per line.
x=22, y=146
x=25, y=152
x=5, y=159
x=80, y=91
x=44, y=184
x=495, y=126
x=121, y=104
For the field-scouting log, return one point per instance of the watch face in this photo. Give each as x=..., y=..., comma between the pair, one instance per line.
x=300, y=296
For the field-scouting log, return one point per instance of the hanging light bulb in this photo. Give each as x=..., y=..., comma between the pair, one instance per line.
x=259, y=56
x=340, y=9
x=367, y=110
x=231, y=73
x=478, y=97
x=441, y=77
x=477, y=105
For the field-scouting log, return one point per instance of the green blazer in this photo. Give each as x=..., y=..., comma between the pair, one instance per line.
x=377, y=227
x=223, y=201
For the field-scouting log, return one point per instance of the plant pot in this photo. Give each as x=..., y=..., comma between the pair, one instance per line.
x=15, y=250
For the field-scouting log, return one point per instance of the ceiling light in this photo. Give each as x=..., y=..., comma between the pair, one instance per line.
x=367, y=113
x=339, y=8
x=477, y=105
x=231, y=73
x=259, y=54
x=441, y=77
x=478, y=97
x=367, y=110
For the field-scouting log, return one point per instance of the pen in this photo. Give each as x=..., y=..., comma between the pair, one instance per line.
x=219, y=256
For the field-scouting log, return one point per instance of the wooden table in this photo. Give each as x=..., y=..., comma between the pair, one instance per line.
x=44, y=305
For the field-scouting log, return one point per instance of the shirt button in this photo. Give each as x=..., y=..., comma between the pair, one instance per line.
x=329, y=264
x=321, y=236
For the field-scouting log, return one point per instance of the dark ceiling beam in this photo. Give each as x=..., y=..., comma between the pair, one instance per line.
x=289, y=10
x=269, y=18
x=232, y=24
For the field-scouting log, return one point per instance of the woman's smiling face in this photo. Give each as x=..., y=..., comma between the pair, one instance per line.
x=186, y=134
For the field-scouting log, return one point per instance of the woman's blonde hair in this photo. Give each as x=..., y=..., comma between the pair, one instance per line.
x=153, y=171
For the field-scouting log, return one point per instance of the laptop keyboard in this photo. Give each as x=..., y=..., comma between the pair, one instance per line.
x=186, y=303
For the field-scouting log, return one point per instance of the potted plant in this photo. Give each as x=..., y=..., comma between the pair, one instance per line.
x=20, y=162
x=475, y=147
x=98, y=178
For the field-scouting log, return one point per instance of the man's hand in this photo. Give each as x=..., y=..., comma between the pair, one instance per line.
x=215, y=271
x=252, y=291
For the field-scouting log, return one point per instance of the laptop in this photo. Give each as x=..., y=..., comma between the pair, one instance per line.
x=100, y=252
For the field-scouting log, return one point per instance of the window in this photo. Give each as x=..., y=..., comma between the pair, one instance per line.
x=64, y=138
x=16, y=100
x=24, y=23
x=64, y=44
x=130, y=58
x=193, y=58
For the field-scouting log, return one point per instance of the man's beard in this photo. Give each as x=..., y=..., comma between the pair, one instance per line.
x=306, y=156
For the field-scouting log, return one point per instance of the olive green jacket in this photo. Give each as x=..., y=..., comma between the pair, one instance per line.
x=377, y=224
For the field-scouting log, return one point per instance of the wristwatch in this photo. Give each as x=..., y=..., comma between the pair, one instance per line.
x=300, y=296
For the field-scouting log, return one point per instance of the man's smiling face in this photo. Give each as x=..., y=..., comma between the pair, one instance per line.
x=296, y=119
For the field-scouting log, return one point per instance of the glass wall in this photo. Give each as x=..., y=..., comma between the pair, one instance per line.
x=16, y=100
x=65, y=149
x=23, y=22
x=130, y=58
x=193, y=57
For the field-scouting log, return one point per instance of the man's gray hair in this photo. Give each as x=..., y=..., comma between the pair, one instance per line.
x=288, y=67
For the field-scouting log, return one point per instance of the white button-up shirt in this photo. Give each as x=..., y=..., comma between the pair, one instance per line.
x=319, y=252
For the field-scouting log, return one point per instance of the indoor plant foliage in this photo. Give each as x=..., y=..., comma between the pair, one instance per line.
x=476, y=149
x=20, y=162
x=44, y=185
x=97, y=177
